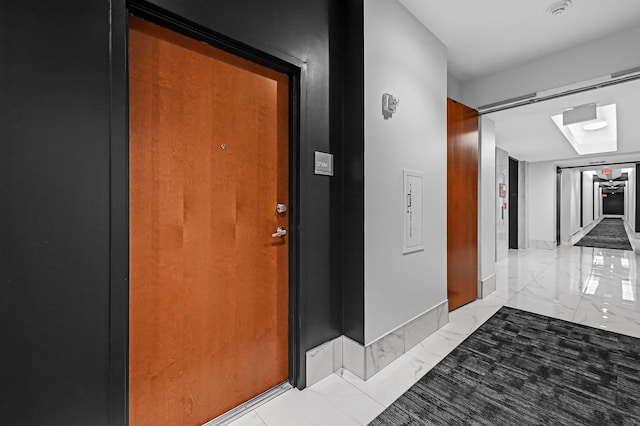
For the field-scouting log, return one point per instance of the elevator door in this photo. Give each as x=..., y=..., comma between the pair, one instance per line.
x=209, y=282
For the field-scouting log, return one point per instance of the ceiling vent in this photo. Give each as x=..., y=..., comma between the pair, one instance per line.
x=559, y=7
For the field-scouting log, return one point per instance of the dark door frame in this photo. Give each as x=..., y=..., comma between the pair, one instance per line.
x=558, y=201
x=119, y=187
x=513, y=203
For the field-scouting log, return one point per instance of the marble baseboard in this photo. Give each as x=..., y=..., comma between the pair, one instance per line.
x=383, y=352
x=541, y=244
x=324, y=360
x=630, y=230
x=487, y=286
x=366, y=361
x=577, y=236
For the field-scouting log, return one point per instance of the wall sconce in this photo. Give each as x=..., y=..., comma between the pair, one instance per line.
x=389, y=105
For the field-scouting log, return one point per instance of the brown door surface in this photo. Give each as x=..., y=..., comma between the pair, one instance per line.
x=462, y=204
x=209, y=283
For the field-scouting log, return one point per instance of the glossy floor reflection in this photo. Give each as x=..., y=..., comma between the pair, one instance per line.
x=590, y=286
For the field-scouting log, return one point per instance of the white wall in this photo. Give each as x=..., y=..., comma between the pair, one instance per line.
x=487, y=207
x=630, y=199
x=565, y=206
x=403, y=58
x=574, y=218
x=502, y=217
x=541, y=214
x=523, y=201
x=626, y=203
x=587, y=198
x=616, y=52
x=453, y=88
x=569, y=204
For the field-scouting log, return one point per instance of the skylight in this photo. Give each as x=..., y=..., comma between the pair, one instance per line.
x=594, y=136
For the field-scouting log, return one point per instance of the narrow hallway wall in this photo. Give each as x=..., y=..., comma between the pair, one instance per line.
x=587, y=198
x=502, y=214
x=487, y=207
x=407, y=61
x=523, y=202
x=541, y=214
x=569, y=204
x=631, y=199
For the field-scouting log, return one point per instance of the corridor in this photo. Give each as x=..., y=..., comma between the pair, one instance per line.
x=590, y=286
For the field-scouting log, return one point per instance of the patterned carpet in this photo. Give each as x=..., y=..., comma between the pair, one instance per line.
x=521, y=368
x=609, y=233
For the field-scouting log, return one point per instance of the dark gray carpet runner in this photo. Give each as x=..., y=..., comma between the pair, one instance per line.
x=521, y=368
x=609, y=233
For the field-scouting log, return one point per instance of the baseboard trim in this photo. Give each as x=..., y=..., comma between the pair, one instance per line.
x=487, y=286
x=542, y=244
x=324, y=360
x=366, y=361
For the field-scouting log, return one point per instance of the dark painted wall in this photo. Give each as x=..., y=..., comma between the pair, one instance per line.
x=582, y=199
x=63, y=192
x=613, y=203
x=558, y=202
x=353, y=154
x=54, y=215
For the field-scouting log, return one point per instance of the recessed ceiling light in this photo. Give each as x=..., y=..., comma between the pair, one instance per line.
x=596, y=125
x=558, y=8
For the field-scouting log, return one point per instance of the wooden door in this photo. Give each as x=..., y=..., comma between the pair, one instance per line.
x=462, y=204
x=209, y=283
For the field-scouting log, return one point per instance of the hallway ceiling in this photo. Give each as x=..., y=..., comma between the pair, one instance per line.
x=529, y=134
x=486, y=36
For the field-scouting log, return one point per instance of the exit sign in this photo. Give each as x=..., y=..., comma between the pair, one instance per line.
x=606, y=171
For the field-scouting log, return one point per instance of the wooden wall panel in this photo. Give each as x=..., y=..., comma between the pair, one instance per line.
x=462, y=204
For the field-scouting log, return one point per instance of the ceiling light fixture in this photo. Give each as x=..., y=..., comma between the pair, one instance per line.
x=558, y=8
x=580, y=114
x=591, y=142
x=596, y=125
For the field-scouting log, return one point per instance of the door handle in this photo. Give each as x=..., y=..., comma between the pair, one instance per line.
x=280, y=232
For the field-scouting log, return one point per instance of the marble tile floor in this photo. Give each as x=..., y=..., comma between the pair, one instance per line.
x=594, y=287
